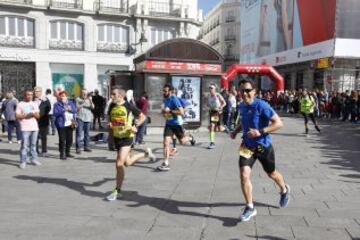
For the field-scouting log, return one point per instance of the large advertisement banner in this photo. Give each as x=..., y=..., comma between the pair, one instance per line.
x=71, y=83
x=273, y=26
x=188, y=90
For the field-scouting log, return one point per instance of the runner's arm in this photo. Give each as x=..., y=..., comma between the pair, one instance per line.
x=276, y=124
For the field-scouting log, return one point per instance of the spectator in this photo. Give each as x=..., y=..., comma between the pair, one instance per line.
x=52, y=100
x=27, y=112
x=8, y=109
x=354, y=106
x=65, y=122
x=43, y=121
x=84, y=117
x=99, y=106
x=143, y=105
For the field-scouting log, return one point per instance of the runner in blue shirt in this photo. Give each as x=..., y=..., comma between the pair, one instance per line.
x=258, y=119
x=172, y=112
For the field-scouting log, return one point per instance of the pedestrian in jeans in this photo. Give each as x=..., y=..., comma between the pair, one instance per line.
x=52, y=99
x=65, y=122
x=27, y=113
x=43, y=122
x=84, y=117
x=8, y=109
x=143, y=105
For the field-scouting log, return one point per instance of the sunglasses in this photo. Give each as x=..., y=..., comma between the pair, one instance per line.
x=246, y=90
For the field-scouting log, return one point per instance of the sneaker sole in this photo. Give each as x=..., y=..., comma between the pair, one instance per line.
x=248, y=218
x=163, y=169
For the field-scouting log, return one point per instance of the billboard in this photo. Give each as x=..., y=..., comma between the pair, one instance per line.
x=188, y=89
x=273, y=26
x=71, y=83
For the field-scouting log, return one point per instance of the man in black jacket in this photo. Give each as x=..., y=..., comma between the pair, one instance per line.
x=44, y=106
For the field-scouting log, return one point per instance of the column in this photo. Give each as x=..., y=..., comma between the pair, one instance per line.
x=43, y=75
x=91, y=77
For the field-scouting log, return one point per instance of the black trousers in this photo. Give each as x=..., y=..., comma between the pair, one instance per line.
x=43, y=131
x=65, y=139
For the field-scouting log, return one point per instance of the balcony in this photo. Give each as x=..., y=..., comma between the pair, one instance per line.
x=67, y=4
x=15, y=41
x=229, y=19
x=230, y=37
x=111, y=7
x=112, y=47
x=161, y=9
x=66, y=44
x=27, y=3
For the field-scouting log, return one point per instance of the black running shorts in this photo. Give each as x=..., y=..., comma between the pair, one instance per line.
x=122, y=142
x=265, y=155
x=176, y=130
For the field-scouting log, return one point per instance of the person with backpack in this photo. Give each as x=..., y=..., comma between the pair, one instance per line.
x=307, y=108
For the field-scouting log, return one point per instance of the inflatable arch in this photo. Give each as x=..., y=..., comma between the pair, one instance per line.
x=269, y=71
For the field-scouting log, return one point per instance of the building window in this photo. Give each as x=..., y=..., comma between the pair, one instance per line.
x=159, y=35
x=66, y=35
x=16, y=31
x=113, y=38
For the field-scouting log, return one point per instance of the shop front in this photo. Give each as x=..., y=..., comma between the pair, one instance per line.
x=188, y=65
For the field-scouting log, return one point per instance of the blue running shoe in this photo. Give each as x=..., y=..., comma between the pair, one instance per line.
x=248, y=214
x=284, y=197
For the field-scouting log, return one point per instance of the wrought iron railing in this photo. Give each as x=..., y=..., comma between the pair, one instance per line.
x=68, y=4
x=112, y=47
x=16, y=41
x=66, y=44
x=230, y=19
x=115, y=6
x=230, y=37
x=26, y=2
x=161, y=9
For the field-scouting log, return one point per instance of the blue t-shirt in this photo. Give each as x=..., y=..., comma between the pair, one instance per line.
x=256, y=116
x=173, y=103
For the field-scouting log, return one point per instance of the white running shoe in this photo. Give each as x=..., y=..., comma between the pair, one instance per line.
x=22, y=165
x=36, y=163
x=151, y=155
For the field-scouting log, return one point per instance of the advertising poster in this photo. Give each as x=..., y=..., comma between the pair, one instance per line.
x=71, y=83
x=283, y=25
x=188, y=89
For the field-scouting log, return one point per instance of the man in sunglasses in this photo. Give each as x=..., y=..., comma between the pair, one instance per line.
x=258, y=119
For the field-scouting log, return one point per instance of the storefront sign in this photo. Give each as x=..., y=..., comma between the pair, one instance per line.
x=188, y=89
x=322, y=63
x=181, y=66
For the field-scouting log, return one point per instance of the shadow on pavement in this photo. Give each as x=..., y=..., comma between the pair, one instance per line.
x=163, y=204
x=9, y=162
x=267, y=237
x=340, y=144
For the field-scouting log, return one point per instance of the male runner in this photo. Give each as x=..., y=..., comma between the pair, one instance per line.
x=256, y=115
x=121, y=122
x=172, y=112
x=216, y=104
x=307, y=107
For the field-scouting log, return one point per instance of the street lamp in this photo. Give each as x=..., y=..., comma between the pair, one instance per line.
x=142, y=40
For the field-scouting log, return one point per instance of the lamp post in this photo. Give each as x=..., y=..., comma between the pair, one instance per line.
x=142, y=40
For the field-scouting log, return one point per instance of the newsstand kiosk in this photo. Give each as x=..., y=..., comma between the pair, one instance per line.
x=188, y=65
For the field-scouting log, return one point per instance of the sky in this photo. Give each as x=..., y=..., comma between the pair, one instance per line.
x=206, y=5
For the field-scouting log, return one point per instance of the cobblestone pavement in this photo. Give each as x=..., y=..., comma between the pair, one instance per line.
x=200, y=198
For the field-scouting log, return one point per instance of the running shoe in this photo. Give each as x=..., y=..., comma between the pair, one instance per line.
x=192, y=141
x=211, y=146
x=284, y=197
x=36, y=162
x=150, y=154
x=317, y=128
x=306, y=131
x=115, y=194
x=173, y=152
x=22, y=165
x=163, y=167
x=248, y=214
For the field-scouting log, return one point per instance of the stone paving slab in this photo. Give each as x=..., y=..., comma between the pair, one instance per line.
x=200, y=198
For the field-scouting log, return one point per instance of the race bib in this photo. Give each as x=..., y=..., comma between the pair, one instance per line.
x=245, y=152
x=214, y=117
x=168, y=116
